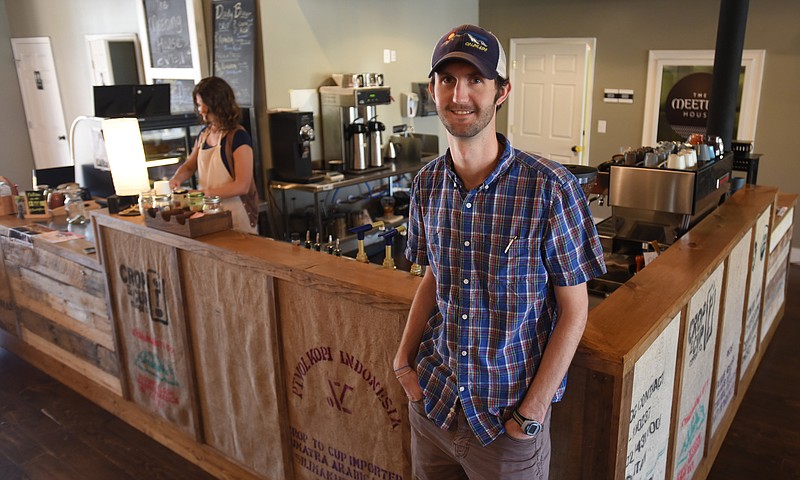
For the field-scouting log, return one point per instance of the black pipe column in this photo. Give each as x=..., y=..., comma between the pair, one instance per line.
x=727, y=68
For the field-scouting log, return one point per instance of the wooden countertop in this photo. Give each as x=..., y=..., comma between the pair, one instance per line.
x=628, y=321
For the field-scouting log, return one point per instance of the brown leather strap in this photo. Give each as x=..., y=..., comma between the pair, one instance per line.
x=250, y=199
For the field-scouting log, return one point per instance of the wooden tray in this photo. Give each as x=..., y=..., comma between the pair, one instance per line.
x=177, y=221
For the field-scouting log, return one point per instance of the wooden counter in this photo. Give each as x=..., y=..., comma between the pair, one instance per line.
x=666, y=359
x=257, y=359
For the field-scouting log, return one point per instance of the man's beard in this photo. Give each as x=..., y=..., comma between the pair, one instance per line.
x=482, y=117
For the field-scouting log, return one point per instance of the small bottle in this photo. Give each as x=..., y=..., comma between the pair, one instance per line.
x=195, y=201
x=180, y=199
x=76, y=210
x=307, y=244
x=212, y=205
x=317, y=245
x=337, y=252
x=145, y=201
x=161, y=202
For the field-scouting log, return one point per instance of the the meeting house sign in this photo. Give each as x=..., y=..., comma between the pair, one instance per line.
x=686, y=105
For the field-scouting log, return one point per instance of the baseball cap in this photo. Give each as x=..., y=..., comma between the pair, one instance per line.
x=474, y=45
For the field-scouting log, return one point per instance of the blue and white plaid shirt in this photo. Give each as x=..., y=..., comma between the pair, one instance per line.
x=496, y=252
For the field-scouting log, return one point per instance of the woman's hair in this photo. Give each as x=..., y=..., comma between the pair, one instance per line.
x=220, y=100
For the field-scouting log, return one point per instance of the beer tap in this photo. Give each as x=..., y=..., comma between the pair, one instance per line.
x=360, y=231
x=388, y=235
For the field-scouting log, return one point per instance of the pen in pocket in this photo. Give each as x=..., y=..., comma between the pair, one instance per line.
x=510, y=242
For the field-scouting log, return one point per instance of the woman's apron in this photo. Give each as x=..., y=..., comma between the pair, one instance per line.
x=212, y=173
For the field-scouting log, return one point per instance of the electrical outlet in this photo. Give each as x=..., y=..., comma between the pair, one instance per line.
x=601, y=126
x=387, y=55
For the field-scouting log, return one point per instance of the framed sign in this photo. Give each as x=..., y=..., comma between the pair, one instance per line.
x=678, y=88
x=174, y=40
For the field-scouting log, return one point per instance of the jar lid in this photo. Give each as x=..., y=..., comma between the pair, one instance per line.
x=213, y=199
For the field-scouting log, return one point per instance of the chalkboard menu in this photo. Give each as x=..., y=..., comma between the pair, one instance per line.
x=168, y=33
x=234, y=46
x=180, y=94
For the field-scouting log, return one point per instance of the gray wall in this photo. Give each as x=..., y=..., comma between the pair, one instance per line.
x=16, y=161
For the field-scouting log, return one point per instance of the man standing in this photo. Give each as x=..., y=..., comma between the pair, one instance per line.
x=509, y=244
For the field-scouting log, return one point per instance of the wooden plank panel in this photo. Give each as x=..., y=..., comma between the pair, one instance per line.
x=236, y=354
x=72, y=362
x=57, y=268
x=337, y=360
x=66, y=304
x=8, y=315
x=65, y=339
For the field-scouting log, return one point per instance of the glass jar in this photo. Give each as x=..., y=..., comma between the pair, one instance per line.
x=180, y=199
x=162, y=202
x=145, y=201
x=212, y=205
x=73, y=204
x=195, y=200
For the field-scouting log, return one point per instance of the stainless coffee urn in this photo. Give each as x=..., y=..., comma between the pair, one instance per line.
x=351, y=131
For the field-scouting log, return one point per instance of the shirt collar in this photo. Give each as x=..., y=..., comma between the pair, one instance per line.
x=503, y=164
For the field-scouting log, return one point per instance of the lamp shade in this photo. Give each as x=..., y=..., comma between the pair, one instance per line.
x=125, y=155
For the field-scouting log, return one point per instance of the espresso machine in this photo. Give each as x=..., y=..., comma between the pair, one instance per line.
x=291, y=133
x=351, y=132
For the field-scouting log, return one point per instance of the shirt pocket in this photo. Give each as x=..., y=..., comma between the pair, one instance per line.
x=510, y=275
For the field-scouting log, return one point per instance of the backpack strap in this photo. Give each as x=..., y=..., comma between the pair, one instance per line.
x=250, y=199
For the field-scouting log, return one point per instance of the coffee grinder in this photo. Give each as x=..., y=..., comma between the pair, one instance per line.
x=351, y=131
x=291, y=134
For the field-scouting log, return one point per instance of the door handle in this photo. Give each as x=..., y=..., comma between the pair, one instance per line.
x=577, y=148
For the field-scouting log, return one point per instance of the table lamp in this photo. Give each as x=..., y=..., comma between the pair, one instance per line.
x=126, y=158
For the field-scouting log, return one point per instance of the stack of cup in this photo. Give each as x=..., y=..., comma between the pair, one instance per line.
x=676, y=161
x=690, y=157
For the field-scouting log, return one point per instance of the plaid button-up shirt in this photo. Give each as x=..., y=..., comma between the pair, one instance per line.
x=496, y=252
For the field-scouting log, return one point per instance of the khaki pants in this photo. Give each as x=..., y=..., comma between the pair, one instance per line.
x=456, y=453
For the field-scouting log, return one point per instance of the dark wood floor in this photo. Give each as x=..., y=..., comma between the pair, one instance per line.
x=49, y=432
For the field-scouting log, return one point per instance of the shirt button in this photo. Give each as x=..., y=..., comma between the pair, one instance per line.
x=464, y=316
x=466, y=281
x=463, y=353
x=469, y=205
x=466, y=244
x=460, y=389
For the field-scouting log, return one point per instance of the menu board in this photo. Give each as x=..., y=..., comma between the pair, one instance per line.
x=731, y=330
x=234, y=46
x=180, y=94
x=651, y=406
x=757, y=261
x=699, y=343
x=168, y=35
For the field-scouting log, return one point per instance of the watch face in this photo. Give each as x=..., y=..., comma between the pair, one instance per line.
x=533, y=428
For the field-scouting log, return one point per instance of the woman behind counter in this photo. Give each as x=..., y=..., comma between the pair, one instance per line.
x=223, y=137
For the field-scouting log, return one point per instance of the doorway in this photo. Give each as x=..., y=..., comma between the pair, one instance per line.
x=550, y=102
x=41, y=100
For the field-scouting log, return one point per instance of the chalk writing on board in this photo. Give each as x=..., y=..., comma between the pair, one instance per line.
x=234, y=42
x=328, y=461
x=168, y=33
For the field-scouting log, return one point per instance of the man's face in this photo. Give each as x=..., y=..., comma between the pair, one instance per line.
x=465, y=100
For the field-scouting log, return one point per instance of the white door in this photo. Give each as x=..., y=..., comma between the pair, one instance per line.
x=549, y=106
x=42, y=102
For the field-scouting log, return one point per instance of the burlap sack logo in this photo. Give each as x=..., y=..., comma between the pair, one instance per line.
x=341, y=391
x=146, y=290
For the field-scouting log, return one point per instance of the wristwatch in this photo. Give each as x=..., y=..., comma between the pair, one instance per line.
x=530, y=427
